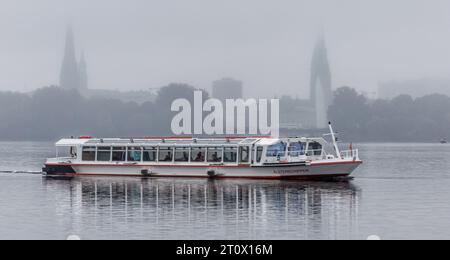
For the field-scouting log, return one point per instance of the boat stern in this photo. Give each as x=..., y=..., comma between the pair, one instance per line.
x=55, y=167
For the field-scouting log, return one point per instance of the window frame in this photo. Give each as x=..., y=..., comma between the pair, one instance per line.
x=314, y=151
x=241, y=150
x=280, y=153
x=259, y=154
x=300, y=152
x=198, y=149
x=233, y=150
x=102, y=149
x=117, y=149
x=219, y=150
x=169, y=149
x=128, y=153
x=89, y=149
x=150, y=149
x=182, y=150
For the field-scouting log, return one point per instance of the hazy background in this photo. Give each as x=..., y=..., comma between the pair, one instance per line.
x=137, y=44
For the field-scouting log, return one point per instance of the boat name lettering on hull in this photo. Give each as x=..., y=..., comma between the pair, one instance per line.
x=291, y=171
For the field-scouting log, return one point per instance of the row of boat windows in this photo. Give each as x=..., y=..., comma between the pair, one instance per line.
x=294, y=150
x=166, y=154
x=199, y=154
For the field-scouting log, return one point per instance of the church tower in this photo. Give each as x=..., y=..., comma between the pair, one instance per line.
x=82, y=69
x=321, y=92
x=69, y=77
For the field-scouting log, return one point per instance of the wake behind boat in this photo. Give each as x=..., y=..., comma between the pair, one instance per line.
x=232, y=157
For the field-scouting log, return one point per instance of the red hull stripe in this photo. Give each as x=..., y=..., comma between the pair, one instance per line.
x=205, y=176
x=190, y=166
x=153, y=165
x=335, y=163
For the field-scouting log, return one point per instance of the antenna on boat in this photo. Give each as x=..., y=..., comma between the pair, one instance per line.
x=333, y=137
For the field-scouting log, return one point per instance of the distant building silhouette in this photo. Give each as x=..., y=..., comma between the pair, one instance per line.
x=227, y=88
x=73, y=75
x=321, y=92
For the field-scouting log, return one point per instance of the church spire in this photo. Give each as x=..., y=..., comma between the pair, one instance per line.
x=82, y=69
x=69, y=77
x=321, y=93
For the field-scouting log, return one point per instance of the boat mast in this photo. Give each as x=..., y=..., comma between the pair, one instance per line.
x=333, y=137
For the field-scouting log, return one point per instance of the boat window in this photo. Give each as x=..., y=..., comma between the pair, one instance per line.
x=277, y=150
x=198, y=154
x=182, y=154
x=88, y=153
x=297, y=149
x=165, y=154
x=244, y=154
x=104, y=154
x=134, y=154
x=314, y=148
x=259, y=153
x=230, y=155
x=118, y=154
x=215, y=154
x=149, y=154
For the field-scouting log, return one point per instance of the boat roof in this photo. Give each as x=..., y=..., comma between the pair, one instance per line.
x=71, y=142
x=176, y=141
x=161, y=141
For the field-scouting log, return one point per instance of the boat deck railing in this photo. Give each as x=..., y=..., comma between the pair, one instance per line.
x=350, y=154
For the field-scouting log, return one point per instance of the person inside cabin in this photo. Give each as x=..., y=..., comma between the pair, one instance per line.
x=136, y=156
x=216, y=157
x=200, y=157
x=168, y=157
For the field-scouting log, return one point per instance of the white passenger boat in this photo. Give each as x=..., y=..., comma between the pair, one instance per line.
x=228, y=157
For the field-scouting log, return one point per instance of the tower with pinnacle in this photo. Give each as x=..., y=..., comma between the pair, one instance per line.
x=321, y=90
x=73, y=75
x=82, y=70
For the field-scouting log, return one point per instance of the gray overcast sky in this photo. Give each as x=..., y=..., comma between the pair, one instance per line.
x=137, y=44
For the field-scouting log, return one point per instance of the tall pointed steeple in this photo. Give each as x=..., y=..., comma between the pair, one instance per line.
x=321, y=92
x=69, y=77
x=82, y=69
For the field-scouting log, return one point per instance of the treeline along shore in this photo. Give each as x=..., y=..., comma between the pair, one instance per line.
x=51, y=113
x=401, y=119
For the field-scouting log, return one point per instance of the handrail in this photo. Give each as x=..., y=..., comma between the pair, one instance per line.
x=353, y=154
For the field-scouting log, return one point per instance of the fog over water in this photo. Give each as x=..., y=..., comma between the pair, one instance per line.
x=140, y=44
x=388, y=198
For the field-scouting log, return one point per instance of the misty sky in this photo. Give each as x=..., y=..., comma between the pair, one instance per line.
x=138, y=44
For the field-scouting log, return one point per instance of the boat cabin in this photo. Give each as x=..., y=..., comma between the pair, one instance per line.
x=192, y=151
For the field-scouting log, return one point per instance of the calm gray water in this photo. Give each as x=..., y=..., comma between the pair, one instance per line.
x=401, y=192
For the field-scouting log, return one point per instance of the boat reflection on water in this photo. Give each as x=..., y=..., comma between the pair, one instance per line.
x=207, y=208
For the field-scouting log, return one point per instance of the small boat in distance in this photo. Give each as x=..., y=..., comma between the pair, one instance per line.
x=228, y=157
x=443, y=141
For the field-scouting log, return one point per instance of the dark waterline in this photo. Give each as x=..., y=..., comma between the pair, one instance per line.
x=401, y=192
